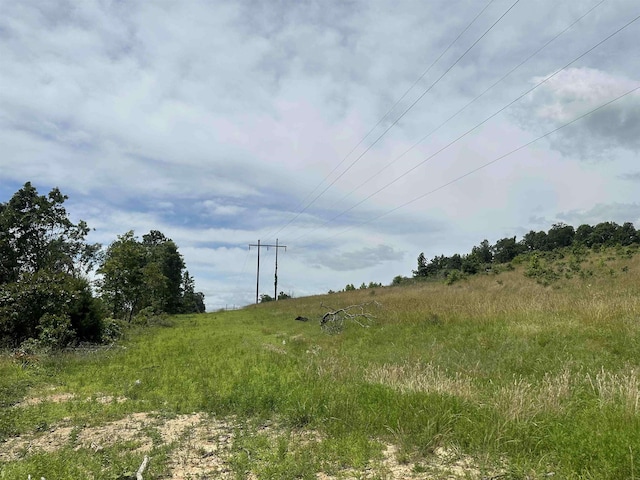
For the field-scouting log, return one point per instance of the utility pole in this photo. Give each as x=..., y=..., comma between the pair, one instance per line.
x=276, y=246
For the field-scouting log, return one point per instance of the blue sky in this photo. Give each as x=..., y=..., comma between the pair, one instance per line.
x=220, y=123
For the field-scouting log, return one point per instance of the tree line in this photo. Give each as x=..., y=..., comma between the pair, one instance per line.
x=46, y=296
x=483, y=256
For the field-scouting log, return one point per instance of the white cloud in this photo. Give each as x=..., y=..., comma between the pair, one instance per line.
x=215, y=122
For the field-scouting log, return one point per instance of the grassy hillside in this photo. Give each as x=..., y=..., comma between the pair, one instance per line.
x=501, y=374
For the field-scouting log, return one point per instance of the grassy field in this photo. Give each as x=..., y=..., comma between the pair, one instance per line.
x=501, y=375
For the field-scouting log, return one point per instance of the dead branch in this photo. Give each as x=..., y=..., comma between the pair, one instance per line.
x=334, y=319
x=142, y=467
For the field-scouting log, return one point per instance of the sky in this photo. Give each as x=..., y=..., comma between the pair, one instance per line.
x=357, y=133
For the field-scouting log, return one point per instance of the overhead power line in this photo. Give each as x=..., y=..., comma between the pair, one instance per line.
x=485, y=165
x=554, y=38
x=546, y=79
x=404, y=112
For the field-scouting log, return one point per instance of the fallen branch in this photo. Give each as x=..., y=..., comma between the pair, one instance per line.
x=333, y=320
x=142, y=467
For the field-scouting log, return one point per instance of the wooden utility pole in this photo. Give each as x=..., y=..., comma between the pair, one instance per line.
x=276, y=246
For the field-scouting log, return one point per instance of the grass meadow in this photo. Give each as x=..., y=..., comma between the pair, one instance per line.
x=500, y=375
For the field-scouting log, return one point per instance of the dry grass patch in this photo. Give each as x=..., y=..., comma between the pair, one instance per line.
x=618, y=388
x=416, y=377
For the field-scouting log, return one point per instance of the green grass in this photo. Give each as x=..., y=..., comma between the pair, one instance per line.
x=521, y=377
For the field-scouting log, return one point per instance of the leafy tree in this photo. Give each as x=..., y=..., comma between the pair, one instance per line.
x=37, y=234
x=147, y=275
x=535, y=241
x=350, y=287
x=123, y=285
x=283, y=296
x=163, y=254
x=628, y=235
x=192, y=301
x=421, y=271
x=604, y=234
x=483, y=252
x=470, y=264
x=506, y=249
x=454, y=262
x=560, y=235
x=43, y=256
x=583, y=235
x=265, y=298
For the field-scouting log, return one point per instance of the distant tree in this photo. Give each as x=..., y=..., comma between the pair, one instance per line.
x=470, y=264
x=583, y=235
x=483, y=252
x=123, y=286
x=163, y=253
x=535, y=241
x=454, y=262
x=421, y=271
x=147, y=274
x=506, y=249
x=560, y=235
x=349, y=287
x=400, y=280
x=628, y=235
x=283, y=296
x=604, y=234
x=265, y=298
x=192, y=301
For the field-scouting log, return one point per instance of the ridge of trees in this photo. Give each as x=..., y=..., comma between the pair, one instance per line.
x=45, y=295
x=484, y=256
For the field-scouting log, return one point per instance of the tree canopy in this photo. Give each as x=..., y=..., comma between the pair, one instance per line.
x=43, y=257
x=560, y=235
x=147, y=274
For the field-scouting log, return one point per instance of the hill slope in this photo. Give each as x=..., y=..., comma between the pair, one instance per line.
x=521, y=373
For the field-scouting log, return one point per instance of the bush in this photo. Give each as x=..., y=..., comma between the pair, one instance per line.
x=112, y=330
x=55, y=308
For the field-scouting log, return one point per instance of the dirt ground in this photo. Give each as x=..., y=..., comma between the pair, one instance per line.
x=203, y=445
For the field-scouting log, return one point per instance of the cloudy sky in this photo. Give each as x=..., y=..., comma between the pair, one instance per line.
x=358, y=133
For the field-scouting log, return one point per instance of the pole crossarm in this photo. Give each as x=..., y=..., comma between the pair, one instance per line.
x=267, y=246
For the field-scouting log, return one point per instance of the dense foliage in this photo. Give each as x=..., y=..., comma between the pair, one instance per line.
x=148, y=274
x=45, y=297
x=485, y=256
x=43, y=256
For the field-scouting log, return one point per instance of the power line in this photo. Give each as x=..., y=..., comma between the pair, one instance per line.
x=478, y=125
x=297, y=215
x=481, y=167
x=555, y=37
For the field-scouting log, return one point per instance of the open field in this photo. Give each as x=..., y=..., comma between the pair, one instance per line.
x=496, y=376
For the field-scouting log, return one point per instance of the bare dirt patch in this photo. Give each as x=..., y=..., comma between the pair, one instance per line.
x=202, y=447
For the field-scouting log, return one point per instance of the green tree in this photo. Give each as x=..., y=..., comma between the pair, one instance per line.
x=421, y=271
x=265, y=298
x=560, y=235
x=483, y=252
x=36, y=234
x=192, y=301
x=123, y=285
x=535, y=241
x=583, y=235
x=506, y=249
x=43, y=256
x=165, y=260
